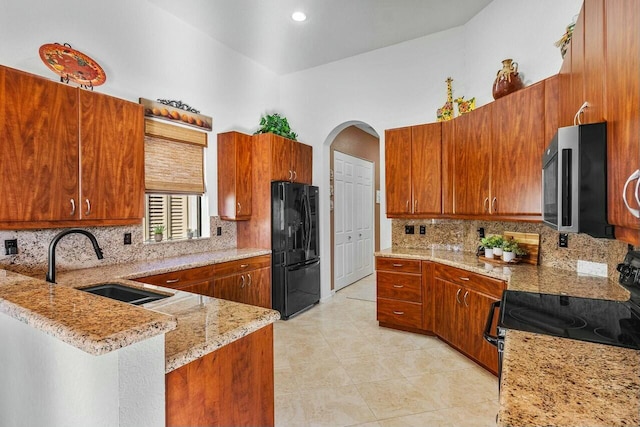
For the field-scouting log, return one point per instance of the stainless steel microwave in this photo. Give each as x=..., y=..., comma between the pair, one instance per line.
x=574, y=181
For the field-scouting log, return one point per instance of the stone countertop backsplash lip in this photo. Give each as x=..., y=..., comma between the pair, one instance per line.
x=552, y=381
x=99, y=325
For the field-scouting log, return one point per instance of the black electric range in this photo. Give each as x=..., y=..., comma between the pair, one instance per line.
x=586, y=319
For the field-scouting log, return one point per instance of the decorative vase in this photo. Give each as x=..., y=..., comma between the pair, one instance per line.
x=497, y=251
x=508, y=256
x=465, y=106
x=158, y=237
x=488, y=253
x=507, y=80
x=446, y=112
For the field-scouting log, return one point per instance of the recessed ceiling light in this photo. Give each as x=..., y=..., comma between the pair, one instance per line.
x=298, y=16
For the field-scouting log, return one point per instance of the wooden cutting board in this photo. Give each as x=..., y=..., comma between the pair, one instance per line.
x=529, y=241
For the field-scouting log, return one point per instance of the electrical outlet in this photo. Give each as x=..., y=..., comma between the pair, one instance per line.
x=219, y=231
x=563, y=240
x=481, y=232
x=11, y=246
x=423, y=229
x=127, y=238
x=409, y=229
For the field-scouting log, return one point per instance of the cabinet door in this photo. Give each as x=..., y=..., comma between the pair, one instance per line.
x=231, y=288
x=112, y=157
x=594, y=65
x=426, y=168
x=397, y=166
x=472, y=162
x=234, y=176
x=566, y=108
x=477, y=308
x=259, y=287
x=518, y=145
x=281, y=158
x=302, y=158
x=447, y=311
x=39, y=145
x=203, y=288
x=623, y=108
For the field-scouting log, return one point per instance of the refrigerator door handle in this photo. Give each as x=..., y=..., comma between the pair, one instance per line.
x=303, y=265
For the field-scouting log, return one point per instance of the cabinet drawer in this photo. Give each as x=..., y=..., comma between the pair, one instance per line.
x=400, y=313
x=398, y=264
x=241, y=265
x=180, y=278
x=399, y=286
x=477, y=282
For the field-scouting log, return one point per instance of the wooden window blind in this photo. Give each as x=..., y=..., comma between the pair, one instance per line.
x=173, y=159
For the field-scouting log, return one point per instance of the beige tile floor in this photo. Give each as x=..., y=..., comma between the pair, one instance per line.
x=334, y=366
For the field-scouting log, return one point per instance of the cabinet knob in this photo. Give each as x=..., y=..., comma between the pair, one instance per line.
x=295, y=176
x=397, y=265
x=407, y=206
x=73, y=207
x=88, y=207
x=485, y=204
x=244, y=265
x=172, y=281
x=290, y=176
x=239, y=207
x=633, y=176
x=242, y=281
x=466, y=294
x=399, y=313
x=466, y=279
x=250, y=279
x=398, y=286
x=493, y=205
x=458, y=296
x=415, y=206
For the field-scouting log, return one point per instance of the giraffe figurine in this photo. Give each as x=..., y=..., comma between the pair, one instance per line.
x=446, y=112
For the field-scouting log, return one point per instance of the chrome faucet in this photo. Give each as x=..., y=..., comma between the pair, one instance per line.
x=51, y=273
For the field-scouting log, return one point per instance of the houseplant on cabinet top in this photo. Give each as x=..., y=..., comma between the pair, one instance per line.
x=276, y=124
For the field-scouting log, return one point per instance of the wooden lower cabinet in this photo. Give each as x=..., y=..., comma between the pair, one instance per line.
x=245, y=280
x=233, y=386
x=437, y=299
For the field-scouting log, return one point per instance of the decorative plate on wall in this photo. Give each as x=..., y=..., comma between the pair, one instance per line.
x=72, y=65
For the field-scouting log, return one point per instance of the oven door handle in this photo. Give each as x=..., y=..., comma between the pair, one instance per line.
x=491, y=339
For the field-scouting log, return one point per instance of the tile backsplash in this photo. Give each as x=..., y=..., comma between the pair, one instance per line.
x=463, y=235
x=74, y=251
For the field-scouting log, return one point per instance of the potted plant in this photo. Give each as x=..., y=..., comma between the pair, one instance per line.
x=158, y=230
x=490, y=243
x=497, y=245
x=511, y=249
x=276, y=124
x=189, y=233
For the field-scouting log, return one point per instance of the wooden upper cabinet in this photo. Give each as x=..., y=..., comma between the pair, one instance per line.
x=302, y=156
x=234, y=176
x=426, y=168
x=397, y=164
x=622, y=112
x=39, y=145
x=594, y=66
x=517, y=148
x=471, y=156
x=112, y=158
x=413, y=170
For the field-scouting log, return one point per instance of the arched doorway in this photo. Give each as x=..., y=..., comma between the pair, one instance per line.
x=354, y=162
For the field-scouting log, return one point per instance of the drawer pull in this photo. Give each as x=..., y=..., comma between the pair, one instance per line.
x=466, y=279
x=399, y=313
x=398, y=286
x=250, y=279
x=466, y=294
x=172, y=281
x=397, y=265
x=242, y=281
x=458, y=296
x=244, y=265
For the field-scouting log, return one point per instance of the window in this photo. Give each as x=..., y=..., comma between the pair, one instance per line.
x=174, y=180
x=177, y=213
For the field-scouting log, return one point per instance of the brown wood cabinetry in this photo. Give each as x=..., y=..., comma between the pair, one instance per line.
x=234, y=176
x=432, y=298
x=622, y=38
x=70, y=156
x=233, y=386
x=413, y=168
x=462, y=302
x=290, y=160
x=245, y=280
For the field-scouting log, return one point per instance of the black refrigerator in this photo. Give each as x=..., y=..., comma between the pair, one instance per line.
x=295, y=269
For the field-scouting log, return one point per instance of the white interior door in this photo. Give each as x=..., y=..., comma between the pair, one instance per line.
x=353, y=219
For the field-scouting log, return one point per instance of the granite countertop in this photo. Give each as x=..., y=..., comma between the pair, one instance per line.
x=194, y=325
x=550, y=381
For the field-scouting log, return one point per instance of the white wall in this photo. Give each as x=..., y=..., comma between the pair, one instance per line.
x=147, y=53
x=404, y=84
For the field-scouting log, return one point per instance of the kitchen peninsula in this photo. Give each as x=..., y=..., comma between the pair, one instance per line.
x=108, y=363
